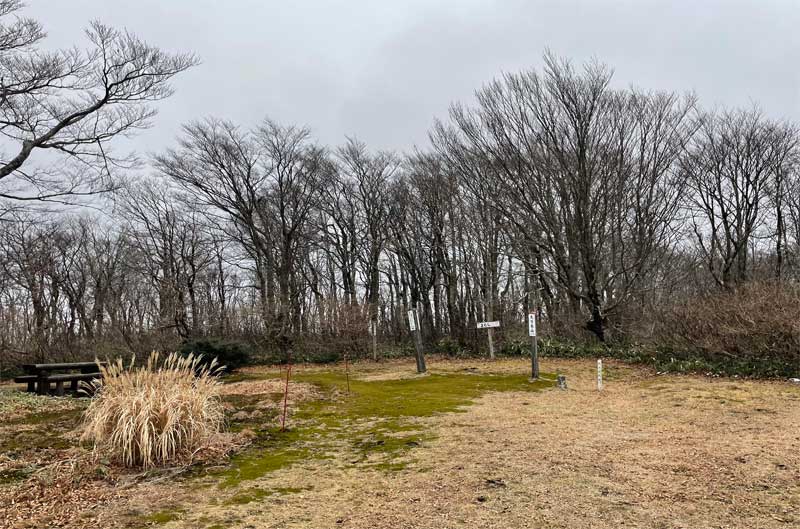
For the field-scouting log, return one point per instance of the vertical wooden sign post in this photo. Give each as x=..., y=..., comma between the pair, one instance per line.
x=489, y=325
x=416, y=331
x=534, y=346
x=373, y=330
x=599, y=374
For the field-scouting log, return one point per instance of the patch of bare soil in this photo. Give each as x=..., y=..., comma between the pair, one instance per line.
x=298, y=391
x=648, y=452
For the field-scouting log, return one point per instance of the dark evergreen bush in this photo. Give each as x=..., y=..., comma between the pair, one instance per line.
x=232, y=355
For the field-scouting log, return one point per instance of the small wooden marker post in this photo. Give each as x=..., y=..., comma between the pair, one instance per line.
x=286, y=395
x=599, y=374
x=489, y=325
x=534, y=346
x=373, y=330
x=416, y=331
x=347, y=372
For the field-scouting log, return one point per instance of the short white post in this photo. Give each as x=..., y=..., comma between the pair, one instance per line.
x=373, y=327
x=599, y=374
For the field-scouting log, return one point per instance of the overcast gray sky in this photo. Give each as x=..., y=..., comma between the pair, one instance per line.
x=381, y=70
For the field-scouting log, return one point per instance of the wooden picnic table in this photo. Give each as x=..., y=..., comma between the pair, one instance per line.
x=38, y=377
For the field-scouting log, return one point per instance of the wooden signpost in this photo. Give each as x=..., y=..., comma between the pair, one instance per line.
x=599, y=374
x=416, y=331
x=534, y=346
x=373, y=330
x=490, y=325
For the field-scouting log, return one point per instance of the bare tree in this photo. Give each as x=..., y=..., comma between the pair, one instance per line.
x=70, y=104
x=585, y=174
x=370, y=176
x=266, y=183
x=736, y=162
x=169, y=233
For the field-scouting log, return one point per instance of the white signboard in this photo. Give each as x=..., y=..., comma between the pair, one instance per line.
x=412, y=321
x=488, y=324
x=531, y=324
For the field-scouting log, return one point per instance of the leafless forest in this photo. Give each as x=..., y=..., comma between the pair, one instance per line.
x=609, y=210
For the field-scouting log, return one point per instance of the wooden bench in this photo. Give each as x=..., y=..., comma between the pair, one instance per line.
x=73, y=378
x=27, y=379
x=40, y=376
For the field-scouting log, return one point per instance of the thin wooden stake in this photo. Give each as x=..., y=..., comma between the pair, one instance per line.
x=375, y=340
x=286, y=397
x=347, y=373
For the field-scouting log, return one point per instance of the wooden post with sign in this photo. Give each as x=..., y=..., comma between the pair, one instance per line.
x=416, y=331
x=489, y=325
x=599, y=374
x=534, y=346
x=373, y=330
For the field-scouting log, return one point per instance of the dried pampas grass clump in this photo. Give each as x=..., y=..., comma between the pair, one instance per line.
x=156, y=414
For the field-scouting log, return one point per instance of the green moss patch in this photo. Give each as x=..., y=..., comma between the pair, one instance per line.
x=376, y=422
x=162, y=517
x=39, y=431
x=15, y=475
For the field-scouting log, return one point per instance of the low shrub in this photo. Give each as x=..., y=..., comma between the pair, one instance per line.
x=155, y=414
x=560, y=348
x=751, y=330
x=515, y=348
x=388, y=352
x=229, y=355
x=447, y=346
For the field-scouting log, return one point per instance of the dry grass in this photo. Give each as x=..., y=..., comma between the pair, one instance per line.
x=649, y=452
x=156, y=414
x=298, y=391
x=16, y=404
x=654, y=452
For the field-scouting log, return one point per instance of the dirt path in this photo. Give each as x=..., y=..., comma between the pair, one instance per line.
x=649, y=452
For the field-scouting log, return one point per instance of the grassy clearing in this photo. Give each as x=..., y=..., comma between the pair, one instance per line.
x=374, y=422
x=19, y=407
x=649, y=451
x=475, y=445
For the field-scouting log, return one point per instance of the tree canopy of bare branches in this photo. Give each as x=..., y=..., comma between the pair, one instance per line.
x=555, y=192
x=69, y=105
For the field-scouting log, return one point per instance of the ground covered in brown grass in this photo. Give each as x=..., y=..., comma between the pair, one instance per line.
x=660, y=452
x=650, y=451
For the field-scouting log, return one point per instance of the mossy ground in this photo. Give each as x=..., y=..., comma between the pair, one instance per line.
x=374, y=421
x=35, y=428
x=649, y=451
x=162, y=517
x=372, y=424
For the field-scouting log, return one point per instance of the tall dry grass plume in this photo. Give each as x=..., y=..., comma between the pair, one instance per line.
x=155, y=414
